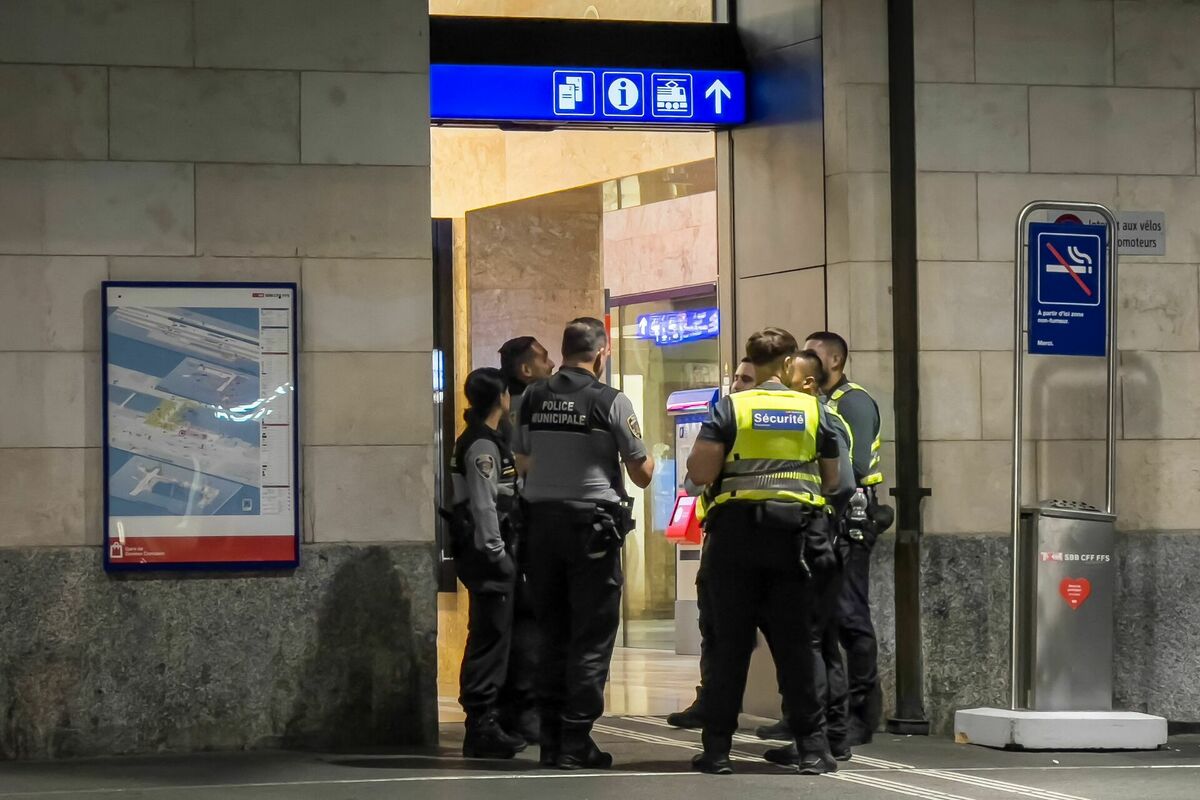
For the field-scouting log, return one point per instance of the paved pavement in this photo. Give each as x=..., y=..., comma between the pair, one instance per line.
x=651, y=763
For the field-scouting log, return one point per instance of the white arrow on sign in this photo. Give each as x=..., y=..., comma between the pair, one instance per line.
x=719, y=90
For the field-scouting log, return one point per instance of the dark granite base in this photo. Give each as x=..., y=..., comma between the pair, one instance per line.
x=340, y=653
x=965, y=597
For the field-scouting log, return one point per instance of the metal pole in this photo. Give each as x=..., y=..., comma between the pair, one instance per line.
x=1110, y=352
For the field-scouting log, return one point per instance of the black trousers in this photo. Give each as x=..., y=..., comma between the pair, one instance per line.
x=519, y=692
x=485, y=661
x=577, y=600
x=707, y=635
x=754, y=579
x=857, y=634
x=829, y=667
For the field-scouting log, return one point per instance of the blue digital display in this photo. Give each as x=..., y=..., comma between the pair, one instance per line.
x=587, y=96
x=1068, y=309
x=676, y=327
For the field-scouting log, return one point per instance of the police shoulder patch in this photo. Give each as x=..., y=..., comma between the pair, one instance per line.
x=486, y=466
x=634, y=427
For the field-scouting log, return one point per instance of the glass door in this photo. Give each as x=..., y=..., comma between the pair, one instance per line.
x=651, y=359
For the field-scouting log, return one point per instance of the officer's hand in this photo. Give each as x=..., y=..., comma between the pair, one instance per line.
x=506, y=568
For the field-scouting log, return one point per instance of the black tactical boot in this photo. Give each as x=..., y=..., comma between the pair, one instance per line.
x=712, y=763
x=587, y=757
x=814, y=763
x=486, y=739
x=691, y=717
x=779, y=732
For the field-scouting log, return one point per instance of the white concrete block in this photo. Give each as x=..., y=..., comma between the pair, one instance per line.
x=837, y=218
x=50, y=303
x=319, y=211
x=1156, y=44
x=996, y=394
x=972, y=128
x=1161, y=393
x=966, y=305
x=51, y=496
x=1059, y=730
x=947, y=226
x=950, y=395
x=53, y=112
x=766, y=24
x=875, y=372
x=365, y=35
x=1001, y=198
x=1158, y=307
x=858, y=217
x=1065, y=398
x=374, y=304
x=867, y=137
x=50, y=400
x=870, y=305
x=944, y=38
x=1179, y=198
x=95, y=207
x=136, y=32
x=1010, y=47
x=1105, y=130
x=368, y=398
x=1071, y=471
x=361, y=118
x=971, y=484
x=791, y=300
x=205, y=268
x=834, y=129
x=837, y=296
x=369, y=494
x=854, y=40
x=205, y=115
x=1156, y=486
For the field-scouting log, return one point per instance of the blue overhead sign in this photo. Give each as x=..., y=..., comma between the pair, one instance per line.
x=587, y=96
x=1068, y=302
x=676, y=327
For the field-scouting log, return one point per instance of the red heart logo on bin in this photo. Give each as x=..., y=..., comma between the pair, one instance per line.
x=1075, y=591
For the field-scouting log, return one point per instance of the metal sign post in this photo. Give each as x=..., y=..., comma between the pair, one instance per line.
x=1064, y=561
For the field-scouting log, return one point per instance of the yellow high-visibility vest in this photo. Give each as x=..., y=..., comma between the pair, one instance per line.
x=874, y=474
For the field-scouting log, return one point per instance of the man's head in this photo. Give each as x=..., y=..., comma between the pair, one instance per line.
x=524, y=361
x=808, y=373
x=770, y=351
x=834, y=353
x=744, y=377
x=585, y=344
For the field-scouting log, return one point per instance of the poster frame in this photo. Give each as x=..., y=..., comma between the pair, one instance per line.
x=297, y=489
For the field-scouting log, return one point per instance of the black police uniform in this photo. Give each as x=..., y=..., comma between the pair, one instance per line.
x=857, y=631
x=484, y=475
x=575, y=431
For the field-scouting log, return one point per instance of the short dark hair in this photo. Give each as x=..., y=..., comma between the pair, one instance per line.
x=583, y=336
x=831, y=338
x=513, y=354
x=769, y=345
x=746, y=360
x=484, y=387
x=815, y=366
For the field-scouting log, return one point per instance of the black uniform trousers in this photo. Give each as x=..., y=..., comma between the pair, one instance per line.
x=518, y=694
x=577, y=600
x=857, y=635
x=829, y=667
x=485, y=660
x=754, y=578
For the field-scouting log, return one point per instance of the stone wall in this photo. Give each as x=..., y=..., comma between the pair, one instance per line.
x=216, y=140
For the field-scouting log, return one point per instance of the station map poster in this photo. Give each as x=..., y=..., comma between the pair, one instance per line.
x=200, y=443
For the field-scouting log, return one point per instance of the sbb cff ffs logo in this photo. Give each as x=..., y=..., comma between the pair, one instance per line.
x=768, y=420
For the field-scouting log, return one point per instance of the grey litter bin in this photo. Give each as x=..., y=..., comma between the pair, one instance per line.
x=1065, y=607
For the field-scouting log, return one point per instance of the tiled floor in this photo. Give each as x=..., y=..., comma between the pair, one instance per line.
x=641, y=682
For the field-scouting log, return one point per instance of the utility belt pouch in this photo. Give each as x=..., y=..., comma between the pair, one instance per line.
x=461, y=527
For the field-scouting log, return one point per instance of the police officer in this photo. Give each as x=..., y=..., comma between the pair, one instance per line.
x=771, y=458
x=523, y=361
x=575, y=432
x=808, y=376
x=484, y=474
x=861, y=413
x=693, y=716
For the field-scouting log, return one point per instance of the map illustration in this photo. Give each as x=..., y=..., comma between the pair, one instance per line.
x=185, y=411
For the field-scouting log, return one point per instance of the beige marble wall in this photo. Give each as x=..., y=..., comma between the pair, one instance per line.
x=532, y=265
x=661, y=245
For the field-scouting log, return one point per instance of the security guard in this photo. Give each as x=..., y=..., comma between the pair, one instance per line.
x=808, y=376
x=693, y=716
x=771, y=458
x=861, y=413
x=484, y=474
x=574, y=433
x=524, y=361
